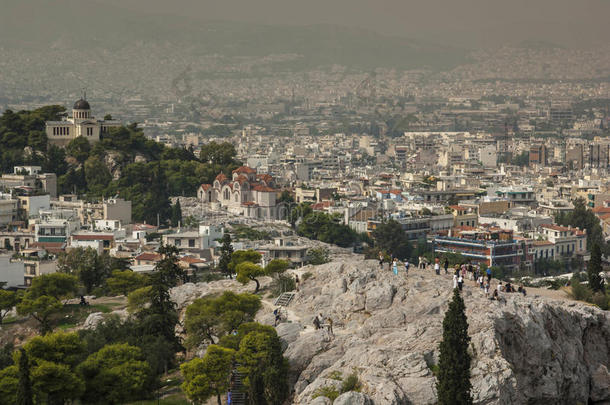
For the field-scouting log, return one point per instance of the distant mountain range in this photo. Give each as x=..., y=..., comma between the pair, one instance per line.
x=68, y=24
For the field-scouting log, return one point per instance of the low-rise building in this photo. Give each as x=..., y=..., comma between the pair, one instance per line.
x=12, y=272
x=36, y=263
x=490, y=247
x=464, y=216
x=284, y=250
x=567, y=241
x=517, y=195
x=8, y=210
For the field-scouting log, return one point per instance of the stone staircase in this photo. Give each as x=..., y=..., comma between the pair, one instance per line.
x=284, y=299
x=238, y=396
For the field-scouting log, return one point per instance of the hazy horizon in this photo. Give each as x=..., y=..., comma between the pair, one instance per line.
x=466, y=23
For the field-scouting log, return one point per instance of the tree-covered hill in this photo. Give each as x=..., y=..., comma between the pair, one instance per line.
x=123, y=163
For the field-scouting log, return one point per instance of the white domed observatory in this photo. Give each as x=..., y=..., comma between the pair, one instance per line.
x=81, y=123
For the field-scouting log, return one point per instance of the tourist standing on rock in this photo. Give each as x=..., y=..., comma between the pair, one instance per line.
x=480, y=281
x=395, y=266
x=407, y=267
x=316, y=322
x=500, y=287
x=446, y=265
x=330, y=326
x=460, y=282
x=487, y=289
x=380, y=260
x=457, y=270
x=437, y=266
x=488, y=275
x=455, y=284
x=296, y=281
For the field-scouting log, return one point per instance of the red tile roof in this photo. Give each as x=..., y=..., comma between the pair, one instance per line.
x=542, y=243
x=321, y=205
x=241, y=179
x=221, y=177
x=265, y=177
x=264, y=189
x=244, y=169
x=149, y=256
x=51, y=247
x=144, y=227
x=206, y=187
x=191, y=260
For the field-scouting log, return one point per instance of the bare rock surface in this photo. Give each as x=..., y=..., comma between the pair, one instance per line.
x=387, y=328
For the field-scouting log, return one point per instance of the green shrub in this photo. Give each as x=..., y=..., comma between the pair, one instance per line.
x=601, y=300
x=351, y=383
x=209, y=276
x=318, y=256
x=326, y=391
x=282, y=284
x=336, y=375
x=307, y=275
x=580, y=291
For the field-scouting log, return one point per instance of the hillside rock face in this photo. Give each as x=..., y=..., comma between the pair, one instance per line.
x=387, y=329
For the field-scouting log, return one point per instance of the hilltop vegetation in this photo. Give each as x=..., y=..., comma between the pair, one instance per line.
x=123, y=163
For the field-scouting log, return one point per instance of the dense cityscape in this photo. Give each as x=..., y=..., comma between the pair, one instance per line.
x=189, y=225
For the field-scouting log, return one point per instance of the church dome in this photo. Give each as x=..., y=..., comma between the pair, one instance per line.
x=81, y=105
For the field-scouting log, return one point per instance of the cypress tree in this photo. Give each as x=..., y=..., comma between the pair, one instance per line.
x=176, y=213
x=226, y=252
x=24, y=391
x=453, y=379
x=594, y=268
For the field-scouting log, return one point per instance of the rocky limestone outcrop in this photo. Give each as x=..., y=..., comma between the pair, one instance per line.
x=185, y=294
x=112, y=160
x=387, y=329
x=352, y=398
x=95, y=318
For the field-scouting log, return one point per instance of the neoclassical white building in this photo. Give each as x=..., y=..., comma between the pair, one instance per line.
x=246, y=193
x=81, y=123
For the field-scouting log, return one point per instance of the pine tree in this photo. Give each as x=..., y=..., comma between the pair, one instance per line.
x=24, y=393
x=226, y=253
x=594, y=268
x=453, y=379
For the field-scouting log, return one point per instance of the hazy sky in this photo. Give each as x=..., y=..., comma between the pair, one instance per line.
x=462, y=22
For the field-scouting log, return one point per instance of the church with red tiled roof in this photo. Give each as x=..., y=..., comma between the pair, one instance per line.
x=245, y=193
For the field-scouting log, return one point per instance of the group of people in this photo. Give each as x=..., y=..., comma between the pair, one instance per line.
x=320, y=322
x=464, y=271
x=394, y=264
